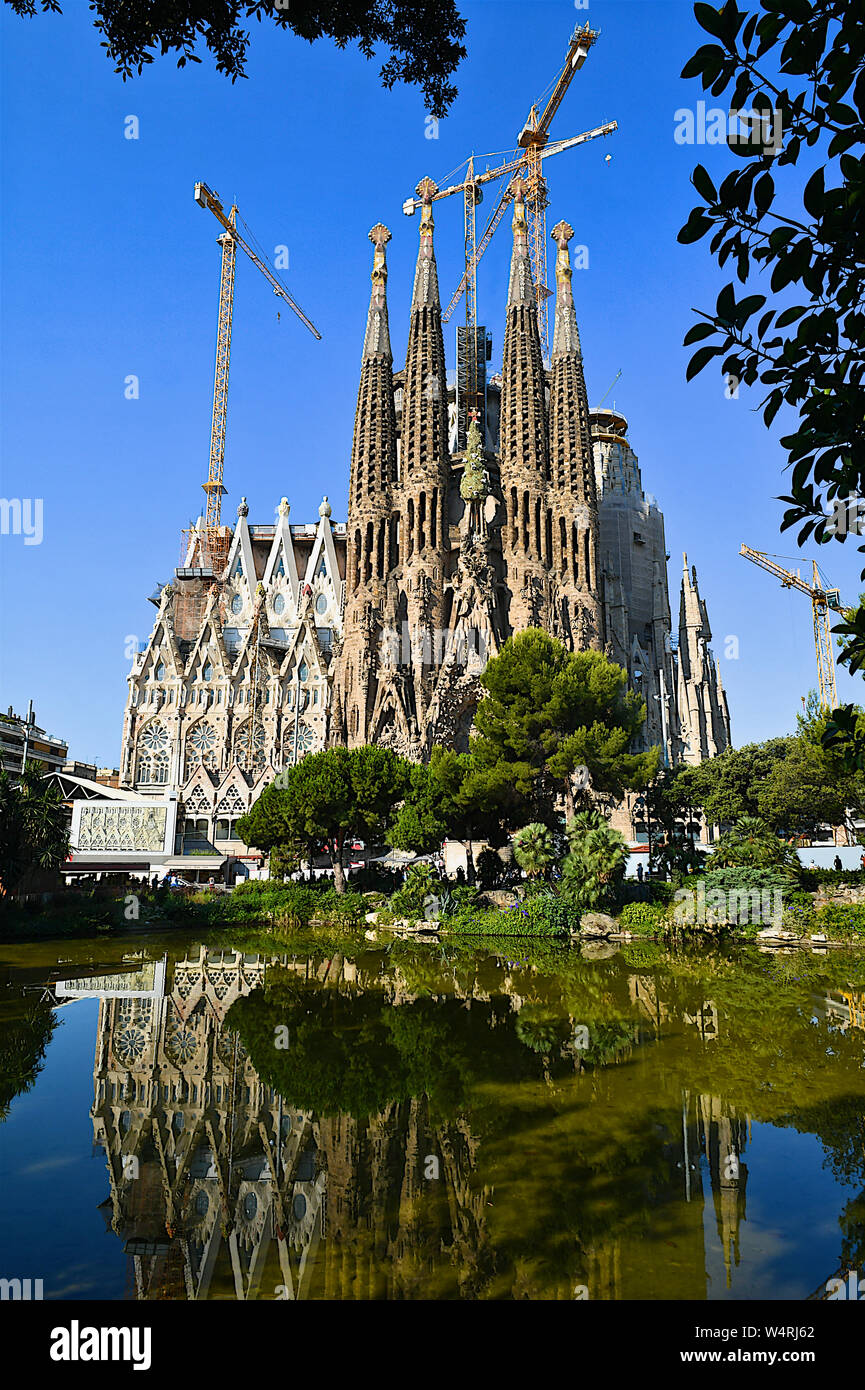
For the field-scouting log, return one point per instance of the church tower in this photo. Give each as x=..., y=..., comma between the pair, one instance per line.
x=373, y=526
x=398, y=517
x=703, y=711
x=572, y=514
x=424, y=470
x=525, y=453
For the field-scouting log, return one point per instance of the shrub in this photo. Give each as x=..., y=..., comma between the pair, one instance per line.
x=536, y=918
x=348, y=908
x=489, y=868
x=548, y=914
x=455, y=900
x=751, y=842
x=840, y=919
x=815, y=878
x=643, y=919
x=745, y=878
x=291, y=904
x=420, y=883
x=596, y=861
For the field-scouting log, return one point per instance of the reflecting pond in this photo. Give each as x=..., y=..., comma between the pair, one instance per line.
x=416, y=1120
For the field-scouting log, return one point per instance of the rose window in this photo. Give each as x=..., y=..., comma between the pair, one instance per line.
x=181, y=1046
x=249, y=749
x=129, y=1044
x=305, y=738
x=230, y=1048
x=154, y=738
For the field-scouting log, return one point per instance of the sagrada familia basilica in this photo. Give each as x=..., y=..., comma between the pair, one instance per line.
x=463, y=527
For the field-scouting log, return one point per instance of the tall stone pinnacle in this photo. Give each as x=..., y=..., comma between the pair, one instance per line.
x=571, y=461
x=373, y=457
x=376, y=343
x=524, y=443
x=424, y=433
x=520, y=288
x=426, y=284
x=566, y=338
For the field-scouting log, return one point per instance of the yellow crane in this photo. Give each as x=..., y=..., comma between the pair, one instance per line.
x=532, y=140
x=822, y=599
x=231, y=238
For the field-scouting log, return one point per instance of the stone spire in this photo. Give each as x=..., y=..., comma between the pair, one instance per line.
x=426, y=281
x=571, y=459
x=524, y=441
x=702, y=701
x=525, y=455
x=373, y=459
x=370, y=529
x=424, y=432
x=566, y=338
x=377, y=340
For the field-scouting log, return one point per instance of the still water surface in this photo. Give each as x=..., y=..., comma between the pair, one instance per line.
x=181, y=1120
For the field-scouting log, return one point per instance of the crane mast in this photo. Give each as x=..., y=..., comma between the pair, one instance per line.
x=533, y=142
x=214, y=490
x=823, y=600
x=215, y=539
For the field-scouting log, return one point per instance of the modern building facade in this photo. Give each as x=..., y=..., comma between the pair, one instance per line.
x=23, y=740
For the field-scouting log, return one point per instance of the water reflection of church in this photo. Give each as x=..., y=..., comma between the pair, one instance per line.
x=215, y=1185
x=221, y=1189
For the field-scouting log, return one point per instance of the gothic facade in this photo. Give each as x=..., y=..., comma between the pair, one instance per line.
x=672, y=668
x=464, y=527
x=450, y=550
x=233, y=683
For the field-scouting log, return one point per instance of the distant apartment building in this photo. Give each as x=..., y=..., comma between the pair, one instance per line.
x=23, y=740
x=105, y=776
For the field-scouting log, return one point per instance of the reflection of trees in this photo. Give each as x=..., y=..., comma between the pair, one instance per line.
x=25, y=1032
x=356, y=1052
x=562, y=1164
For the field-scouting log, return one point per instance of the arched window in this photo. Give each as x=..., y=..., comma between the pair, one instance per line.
x=201, y=748
x=249, y=747
x=305, y=741
x=152, y=761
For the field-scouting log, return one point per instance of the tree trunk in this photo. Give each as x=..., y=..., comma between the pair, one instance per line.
x=338, y=870
x=570, y=804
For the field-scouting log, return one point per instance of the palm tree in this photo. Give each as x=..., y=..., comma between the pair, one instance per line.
x=597, y=856
x=34, y=827
x=752, y=842
x=533, y=849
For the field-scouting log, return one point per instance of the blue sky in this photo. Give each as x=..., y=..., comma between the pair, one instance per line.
x=111, y=270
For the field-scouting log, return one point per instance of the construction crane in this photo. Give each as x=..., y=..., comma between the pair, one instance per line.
x=608, y=390
x=822, y=600
x=532, y=140
x=231, y=238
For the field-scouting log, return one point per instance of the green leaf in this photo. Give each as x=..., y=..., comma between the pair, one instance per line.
x=696, y=227
x=710, y=57
x=700, y=359
x=764, y=192
x=698, y=332
x=791, y=315
x=711, y=20
x=703, y=184
x=814, y=194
